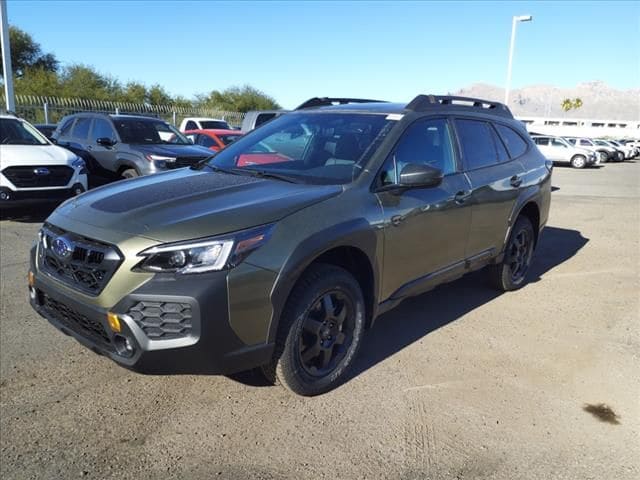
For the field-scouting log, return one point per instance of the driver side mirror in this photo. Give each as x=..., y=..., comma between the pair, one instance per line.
x=416, y=175
x=105, y=142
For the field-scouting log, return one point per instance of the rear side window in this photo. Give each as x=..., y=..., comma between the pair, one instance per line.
x=478, y=147
x=503, y=155
x=65, y=129
x=191, y=125
x=514, y=142
x=81, y=128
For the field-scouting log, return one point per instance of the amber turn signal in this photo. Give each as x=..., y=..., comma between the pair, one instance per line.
x=32, y=279
x=114, y=322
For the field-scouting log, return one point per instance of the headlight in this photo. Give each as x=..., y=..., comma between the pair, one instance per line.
x=160, y=161
x=203, y=255
x=79, y=164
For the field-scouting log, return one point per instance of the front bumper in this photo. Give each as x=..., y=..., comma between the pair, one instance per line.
x=209, y=345
x=14, y=197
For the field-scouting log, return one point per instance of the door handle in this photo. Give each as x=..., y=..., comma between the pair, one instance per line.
x=515, y=181
x=89, y=147
x=462, y=196
x=397, y=220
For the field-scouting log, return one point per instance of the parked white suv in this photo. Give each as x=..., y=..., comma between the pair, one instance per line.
x=587, y=144
x=558, y=150
x=33, y=168
x=202, y=123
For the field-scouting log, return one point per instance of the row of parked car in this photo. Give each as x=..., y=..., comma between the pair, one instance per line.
x=584, y=152
x=127, y=146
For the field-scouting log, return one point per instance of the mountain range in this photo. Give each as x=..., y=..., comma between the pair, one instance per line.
x=599, y=100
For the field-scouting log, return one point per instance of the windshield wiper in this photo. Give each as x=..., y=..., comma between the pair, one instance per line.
x=265, y=174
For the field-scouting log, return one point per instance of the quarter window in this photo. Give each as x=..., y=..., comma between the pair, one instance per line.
x=478, y=147
x=503, y=156
x=514, y=142
x=81, y=128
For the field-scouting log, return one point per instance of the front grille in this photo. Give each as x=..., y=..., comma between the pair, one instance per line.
x=86, y=265
x=81, y=324
x=186, y=161
x=38, y=176
x=162, y=320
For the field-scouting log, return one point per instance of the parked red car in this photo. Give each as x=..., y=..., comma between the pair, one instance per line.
x=213, y=139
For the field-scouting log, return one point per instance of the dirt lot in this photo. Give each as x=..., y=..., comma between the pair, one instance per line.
x=459, y=383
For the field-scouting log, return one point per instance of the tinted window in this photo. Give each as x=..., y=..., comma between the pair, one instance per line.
x=503, y=156
x=214, y=124
x=15, y=132
x=81, y=128
x=206, y=141
x=477, y=144
x=263, y=118
x=584, y=142
x=148, y=131
x=555, y=142
x=101, y=129
x=426, y=142
x=228, y=138
x=541, y=141
x=514, y=142
x=191, y=126
x=66, y=126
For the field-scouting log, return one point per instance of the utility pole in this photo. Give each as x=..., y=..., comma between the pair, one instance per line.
x=516, y=19
x=6, y=57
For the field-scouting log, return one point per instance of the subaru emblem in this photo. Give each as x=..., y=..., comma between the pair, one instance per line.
x=62, y=248
x=41, y=171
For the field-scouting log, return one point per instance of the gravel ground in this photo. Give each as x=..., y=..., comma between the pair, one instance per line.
x=458, y=383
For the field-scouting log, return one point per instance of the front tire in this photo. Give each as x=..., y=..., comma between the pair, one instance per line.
x=578, y=161
x=511, y=273
x=130, y=173
x=320, y=331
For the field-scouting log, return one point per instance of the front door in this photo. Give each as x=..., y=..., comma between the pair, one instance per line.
x=105, y=157
x=425, y=229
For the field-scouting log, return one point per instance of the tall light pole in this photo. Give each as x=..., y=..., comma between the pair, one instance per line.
x=6, y=57
x=516, y=19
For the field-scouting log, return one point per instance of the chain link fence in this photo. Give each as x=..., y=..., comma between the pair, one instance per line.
x=37, y=109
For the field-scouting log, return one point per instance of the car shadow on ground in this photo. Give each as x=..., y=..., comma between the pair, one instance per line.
x=421, y=315
x=418, y=316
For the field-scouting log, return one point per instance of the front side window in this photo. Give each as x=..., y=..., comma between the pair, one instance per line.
x=585, y=142
x=556, y=142
x=148, y=132
x=81, y=128
x=426, y=142
x=317, y=148
x=15, y=132
x=65, y=129
x=514, y=142
x=478, y=147
x=101, y=129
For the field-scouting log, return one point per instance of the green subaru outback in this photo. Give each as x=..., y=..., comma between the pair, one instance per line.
x=282, y=249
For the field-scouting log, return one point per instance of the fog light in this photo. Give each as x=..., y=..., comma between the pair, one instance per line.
x=4, y=196
x=114, y=322
x=123, y=345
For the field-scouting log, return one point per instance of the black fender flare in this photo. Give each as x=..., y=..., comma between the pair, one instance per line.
x=357, y=233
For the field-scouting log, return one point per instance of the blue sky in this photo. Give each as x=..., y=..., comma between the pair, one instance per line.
x=296, y=50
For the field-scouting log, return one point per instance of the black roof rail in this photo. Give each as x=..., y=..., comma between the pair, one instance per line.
x=423, y=103
x=327, y=101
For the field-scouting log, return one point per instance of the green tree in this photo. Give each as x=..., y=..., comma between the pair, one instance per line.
x=239, y=99
x=567, y=104
x=82, y=81
x=27, y=54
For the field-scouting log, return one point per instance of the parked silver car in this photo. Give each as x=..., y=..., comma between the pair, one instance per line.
x=558, y=150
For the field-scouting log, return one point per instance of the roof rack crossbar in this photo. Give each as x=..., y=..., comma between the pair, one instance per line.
x=423, y=103
x=327, y=101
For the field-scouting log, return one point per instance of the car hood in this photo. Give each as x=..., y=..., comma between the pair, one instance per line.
x=184, y=204
x=174, y=150
x=20, y=155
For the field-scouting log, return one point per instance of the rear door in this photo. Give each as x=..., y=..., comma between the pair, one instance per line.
x=495, y=177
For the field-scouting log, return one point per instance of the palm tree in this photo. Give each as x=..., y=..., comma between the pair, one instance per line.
x=567, y=104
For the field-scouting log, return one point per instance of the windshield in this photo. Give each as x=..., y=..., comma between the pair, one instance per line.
x=317, y=148
x=15, y=132
x=148, y=131
x=214, y=124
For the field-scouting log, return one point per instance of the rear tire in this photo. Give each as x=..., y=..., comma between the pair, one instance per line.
x=320, y=331
x=511, y=273
x=578, y=161
x=130, y=173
